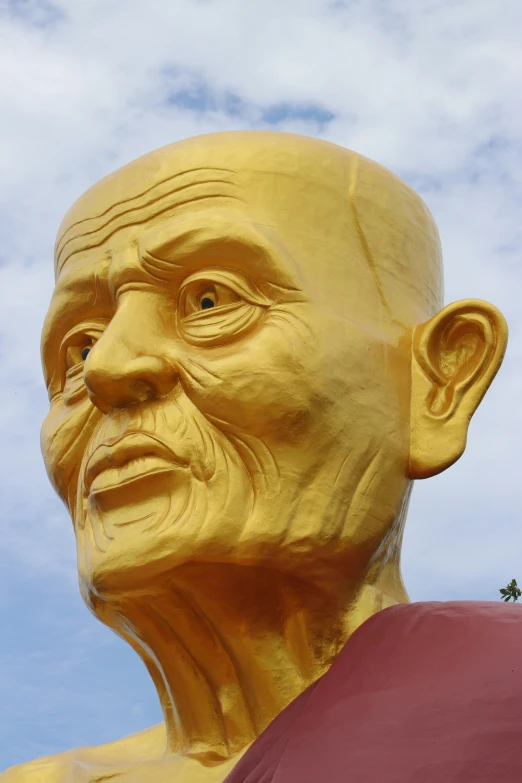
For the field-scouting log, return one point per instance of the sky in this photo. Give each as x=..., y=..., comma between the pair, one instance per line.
x=429, y=88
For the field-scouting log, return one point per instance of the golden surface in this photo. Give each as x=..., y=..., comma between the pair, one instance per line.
x=247, y=365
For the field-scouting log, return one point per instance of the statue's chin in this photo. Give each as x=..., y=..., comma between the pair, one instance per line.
x=132, y=531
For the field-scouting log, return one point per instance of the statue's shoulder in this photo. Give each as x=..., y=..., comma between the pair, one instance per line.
x=75, y=765
x=50, y=769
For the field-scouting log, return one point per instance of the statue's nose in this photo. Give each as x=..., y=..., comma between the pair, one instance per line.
x=126, y=367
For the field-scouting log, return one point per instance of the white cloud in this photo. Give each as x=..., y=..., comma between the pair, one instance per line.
x=430, y=88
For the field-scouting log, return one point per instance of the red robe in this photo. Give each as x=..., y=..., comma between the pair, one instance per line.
x=421, y=693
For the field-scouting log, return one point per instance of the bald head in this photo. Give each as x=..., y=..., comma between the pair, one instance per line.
x=327, y=205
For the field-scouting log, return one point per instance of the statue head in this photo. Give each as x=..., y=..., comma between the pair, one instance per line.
x=248, y=362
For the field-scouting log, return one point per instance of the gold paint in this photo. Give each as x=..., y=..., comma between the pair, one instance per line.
x=238, y=473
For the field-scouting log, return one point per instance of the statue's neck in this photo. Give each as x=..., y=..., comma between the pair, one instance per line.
x=228, y=647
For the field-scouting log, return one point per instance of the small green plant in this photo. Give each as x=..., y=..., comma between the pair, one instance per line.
x=512, y=591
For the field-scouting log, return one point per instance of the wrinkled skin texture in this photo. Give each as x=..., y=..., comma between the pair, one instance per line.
x=250, y=396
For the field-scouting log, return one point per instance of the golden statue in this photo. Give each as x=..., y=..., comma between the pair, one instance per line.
x=248, y=363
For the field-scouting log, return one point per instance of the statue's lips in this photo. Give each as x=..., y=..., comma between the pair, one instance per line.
x=130, y=459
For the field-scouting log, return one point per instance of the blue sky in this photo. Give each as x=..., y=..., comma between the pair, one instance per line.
x=429, y=88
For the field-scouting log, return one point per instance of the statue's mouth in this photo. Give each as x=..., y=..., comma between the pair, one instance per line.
x=130, y=459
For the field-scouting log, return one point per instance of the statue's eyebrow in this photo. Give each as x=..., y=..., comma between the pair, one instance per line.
x=75, y=297
x=216, y=240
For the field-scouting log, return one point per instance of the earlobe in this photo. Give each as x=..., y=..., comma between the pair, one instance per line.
x=455, y=356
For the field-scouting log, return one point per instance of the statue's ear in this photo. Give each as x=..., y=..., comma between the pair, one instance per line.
x=455, y=356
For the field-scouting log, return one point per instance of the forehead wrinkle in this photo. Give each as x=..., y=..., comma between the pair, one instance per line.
x=100, y=238
x=132, y=208
x=153, y=204
x=139, y=195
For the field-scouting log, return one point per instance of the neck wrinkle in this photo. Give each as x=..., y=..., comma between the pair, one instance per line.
x=194, y=673
x=229, y=647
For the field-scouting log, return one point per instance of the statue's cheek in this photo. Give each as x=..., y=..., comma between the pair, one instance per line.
x=65, y=434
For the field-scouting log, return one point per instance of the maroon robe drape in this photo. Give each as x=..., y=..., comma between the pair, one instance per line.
x=421, y=693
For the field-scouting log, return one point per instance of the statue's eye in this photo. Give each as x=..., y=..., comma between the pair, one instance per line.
x=208, y=300
x=198, y=298
x=74, y=350
x=75, y=355
x=218, y=305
